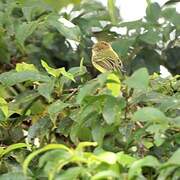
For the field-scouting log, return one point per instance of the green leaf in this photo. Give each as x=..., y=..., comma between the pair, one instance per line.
x=24, y=30
x=113, y=84
x=46, y=89
x=87, y=89
x=55, y=108
x=71, y=173
x=14, y=176
x=25, y=67
x=107, y=157
x=82, y=145
x=132, y=24
x=64, y=126
x=98, y=133
x=105, y=174
x=176, y=122
x=158, y=130
x=136, y=168
x=57, y=72
x=39, y=128
x=65, y=27
x=150, y=114
x=12, y=148
x=157, y=121
x=4, y=107
x=112, y=11
x=151, y=37
x=77, y=71
x=58, y=4
x=139, y=79
x=44, y=149
x=11, y=78
x=2, y=116
x=4, y=50
x=153, y=12
x=125, y=159
x=122, y=46
x=110, y=110
x=54, y=156
x=175, y=158
x=147, y=58
x=172, y=15
x=67, y=74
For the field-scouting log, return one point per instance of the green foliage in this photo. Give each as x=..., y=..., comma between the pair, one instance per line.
x=142, y=120
x=58, y=122
x=46, y=29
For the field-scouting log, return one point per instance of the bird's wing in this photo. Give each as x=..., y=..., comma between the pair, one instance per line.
x=109, y=64
x=103, y=64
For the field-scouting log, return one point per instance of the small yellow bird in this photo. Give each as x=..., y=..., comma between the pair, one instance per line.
x=104, y=58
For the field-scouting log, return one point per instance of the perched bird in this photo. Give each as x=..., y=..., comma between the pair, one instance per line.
x=104, y=58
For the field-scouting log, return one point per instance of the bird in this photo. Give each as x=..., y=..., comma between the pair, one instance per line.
x=105, y=59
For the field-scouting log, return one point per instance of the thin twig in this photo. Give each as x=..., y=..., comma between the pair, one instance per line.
x=71, y=95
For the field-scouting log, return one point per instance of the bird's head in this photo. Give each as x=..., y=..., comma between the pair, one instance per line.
x=101, y=46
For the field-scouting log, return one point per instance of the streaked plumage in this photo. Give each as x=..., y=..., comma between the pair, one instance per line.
x=104, y=58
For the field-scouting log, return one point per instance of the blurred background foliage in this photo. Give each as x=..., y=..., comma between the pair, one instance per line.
x=63, y=32
x=50, y=105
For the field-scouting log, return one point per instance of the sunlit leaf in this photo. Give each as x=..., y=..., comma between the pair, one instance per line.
x=108, y=157
x=113, y=84
x=125, y=159
x=57, y=72
x=105, y=174
x=4, y=106
x=25, y=67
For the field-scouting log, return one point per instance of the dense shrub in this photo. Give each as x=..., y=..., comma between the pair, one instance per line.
x=59, y=119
